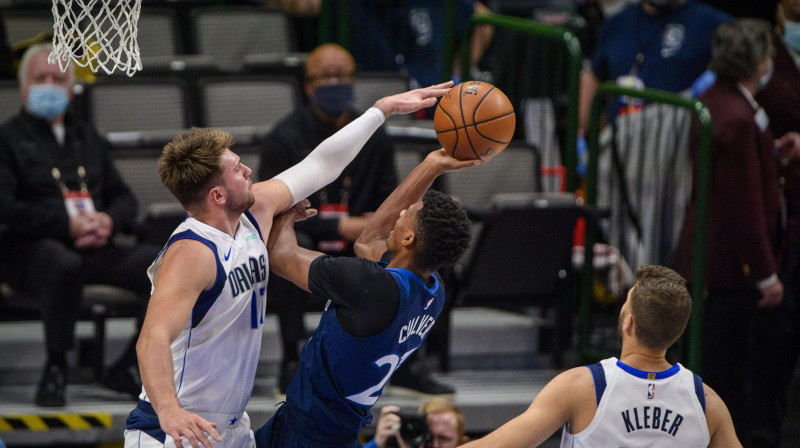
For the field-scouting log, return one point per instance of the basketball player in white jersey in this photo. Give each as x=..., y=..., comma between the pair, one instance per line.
x=638, y=400
x=201, y=337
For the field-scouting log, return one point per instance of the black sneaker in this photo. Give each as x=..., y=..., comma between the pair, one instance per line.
x=416, y=376
x=288, y=370
x=123, y=380
x=52, y=387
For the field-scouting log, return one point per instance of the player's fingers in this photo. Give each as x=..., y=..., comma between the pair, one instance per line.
x=199, y=438
x=210, y=429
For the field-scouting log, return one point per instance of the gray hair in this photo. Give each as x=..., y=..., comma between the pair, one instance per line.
x=22, y=73
x=738, y=46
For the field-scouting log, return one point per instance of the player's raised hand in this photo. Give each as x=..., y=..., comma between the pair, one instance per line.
x=445, y=162
x=180, y=424
x=302, y=210
x=413, y=100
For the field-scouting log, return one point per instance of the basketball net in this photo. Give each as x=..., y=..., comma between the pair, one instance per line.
x=96, y=34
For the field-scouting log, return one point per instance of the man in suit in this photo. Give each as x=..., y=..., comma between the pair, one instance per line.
x=745, y=226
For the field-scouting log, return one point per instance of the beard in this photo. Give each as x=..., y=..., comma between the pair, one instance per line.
x=244, y=204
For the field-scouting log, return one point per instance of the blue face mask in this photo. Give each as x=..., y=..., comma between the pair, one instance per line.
x=791, y=34
x=333, y=99
x=47, y=101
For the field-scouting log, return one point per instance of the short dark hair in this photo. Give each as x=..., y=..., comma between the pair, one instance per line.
x=442, y=230
x=737, y=47
x=191, y=164
x=660, y=305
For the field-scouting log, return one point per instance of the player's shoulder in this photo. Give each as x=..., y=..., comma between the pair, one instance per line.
x=576, y=377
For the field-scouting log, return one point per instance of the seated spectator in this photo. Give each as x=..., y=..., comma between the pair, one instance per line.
x=345, y=205
x=62, y=202
x=445, y=426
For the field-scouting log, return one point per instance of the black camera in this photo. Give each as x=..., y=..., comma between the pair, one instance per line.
x=413, y=429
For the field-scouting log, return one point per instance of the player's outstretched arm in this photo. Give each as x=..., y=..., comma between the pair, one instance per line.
x=286, y=258
x=371, y=244
x=720, y=424
x=323, y=165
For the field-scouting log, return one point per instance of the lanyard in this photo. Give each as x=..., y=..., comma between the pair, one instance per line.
x=56, y=173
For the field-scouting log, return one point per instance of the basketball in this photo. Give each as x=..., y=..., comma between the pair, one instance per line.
x=474, y=120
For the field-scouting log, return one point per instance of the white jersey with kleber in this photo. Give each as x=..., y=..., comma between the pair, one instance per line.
x=638, y=408
x=216, y=354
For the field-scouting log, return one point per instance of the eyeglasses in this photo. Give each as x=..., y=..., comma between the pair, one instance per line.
x=331, y=77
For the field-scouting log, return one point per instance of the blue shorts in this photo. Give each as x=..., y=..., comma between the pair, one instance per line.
x=281, y=432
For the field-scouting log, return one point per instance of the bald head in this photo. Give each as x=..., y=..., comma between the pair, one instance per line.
x=329, y=61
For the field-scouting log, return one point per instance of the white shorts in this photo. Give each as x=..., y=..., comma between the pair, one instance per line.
x=238, y=435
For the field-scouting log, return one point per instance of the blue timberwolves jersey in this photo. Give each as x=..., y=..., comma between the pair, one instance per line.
x=342, y=376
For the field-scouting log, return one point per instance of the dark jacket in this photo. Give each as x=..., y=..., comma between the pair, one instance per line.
x=781, y=99
x=371, y=175
x=744, y=235
x=31, y=201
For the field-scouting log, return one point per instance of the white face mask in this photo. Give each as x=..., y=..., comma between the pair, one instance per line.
x=791, y=34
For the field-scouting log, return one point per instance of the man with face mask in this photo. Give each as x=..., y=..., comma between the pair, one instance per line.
x=344, y=205
x=780, y=98
x=660, y=44
x=747, y=234
x=62, y=201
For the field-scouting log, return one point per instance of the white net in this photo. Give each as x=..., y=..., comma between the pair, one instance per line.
x=97, y=34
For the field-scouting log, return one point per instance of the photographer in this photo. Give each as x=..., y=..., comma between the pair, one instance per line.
x=444, y=420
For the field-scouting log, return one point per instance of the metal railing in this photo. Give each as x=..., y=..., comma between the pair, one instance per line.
x=701, y=189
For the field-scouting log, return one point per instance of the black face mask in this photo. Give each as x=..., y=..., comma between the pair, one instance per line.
x=333, y=99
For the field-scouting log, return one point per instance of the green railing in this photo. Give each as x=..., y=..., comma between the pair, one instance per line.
x=555, y=34
x=699, y=245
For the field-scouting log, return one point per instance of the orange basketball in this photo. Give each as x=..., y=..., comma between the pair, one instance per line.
x=474, y=120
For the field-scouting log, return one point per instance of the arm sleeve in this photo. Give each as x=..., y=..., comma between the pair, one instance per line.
x=329, y=159
x=365, y=294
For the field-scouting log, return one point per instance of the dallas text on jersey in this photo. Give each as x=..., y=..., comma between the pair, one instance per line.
x=242, y=277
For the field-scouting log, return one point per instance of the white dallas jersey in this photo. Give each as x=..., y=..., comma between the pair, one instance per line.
x=637, y=408
x=216, y=354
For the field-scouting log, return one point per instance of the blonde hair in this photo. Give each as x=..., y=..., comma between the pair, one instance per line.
x=191, y=164
x=443, y=406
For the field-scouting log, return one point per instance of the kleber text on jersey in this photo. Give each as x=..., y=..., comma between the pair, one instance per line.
x=652, y=417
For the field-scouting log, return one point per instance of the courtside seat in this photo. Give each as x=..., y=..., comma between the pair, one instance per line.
x=99, y=303
x=139, y=111
x=229, y=33
x=247, y=106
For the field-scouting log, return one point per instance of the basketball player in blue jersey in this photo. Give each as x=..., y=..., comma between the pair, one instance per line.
x=636, y=400
x=201, y=337
x=381, y=306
